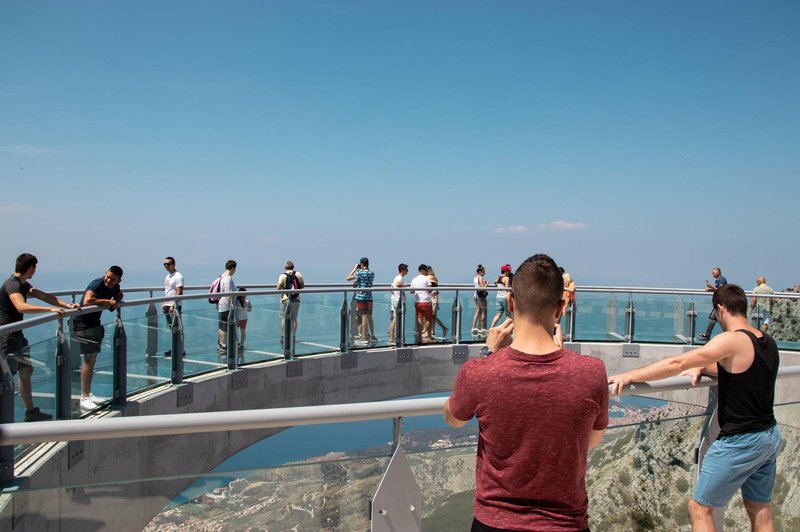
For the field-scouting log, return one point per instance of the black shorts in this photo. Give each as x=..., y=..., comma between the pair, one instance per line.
x=16, y=351
x=223, y=321
x=90, y=338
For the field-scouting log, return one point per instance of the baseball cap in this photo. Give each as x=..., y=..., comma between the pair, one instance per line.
x=505, y=268
x=364, y=260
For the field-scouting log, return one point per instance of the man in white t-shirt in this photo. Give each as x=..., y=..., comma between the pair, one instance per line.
x=422, y=304
x=225, y=304
x=173, y=286
x=397, y=295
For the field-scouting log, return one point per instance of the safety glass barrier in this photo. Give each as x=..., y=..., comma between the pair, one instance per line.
x=783, y=322
x=598, y=317
x=41, y=356
x=658, y=318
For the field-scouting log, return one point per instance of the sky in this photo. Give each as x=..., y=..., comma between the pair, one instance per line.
x=639, y=143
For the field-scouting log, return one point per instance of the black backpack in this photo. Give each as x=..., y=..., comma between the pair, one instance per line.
x=292, y=283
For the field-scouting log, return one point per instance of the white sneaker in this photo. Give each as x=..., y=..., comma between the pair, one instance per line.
x=87, y=405
x=97, y=400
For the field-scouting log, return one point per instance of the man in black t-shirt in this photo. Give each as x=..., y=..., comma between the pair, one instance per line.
x=103, y=292
x=13, y=304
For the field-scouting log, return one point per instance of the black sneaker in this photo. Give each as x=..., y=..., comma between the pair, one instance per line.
x=705, y=336
x=37, y=415
x=168, y=354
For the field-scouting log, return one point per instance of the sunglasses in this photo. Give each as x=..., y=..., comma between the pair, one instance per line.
x=168, y=263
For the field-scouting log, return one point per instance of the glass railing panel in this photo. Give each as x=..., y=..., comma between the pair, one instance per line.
x=599, y=317
x=262, y=340
x=319, y=321
x=659, y=318
x=143, y=371
x=785, y=326
x=200, y=332
x=43, y=359
x=326, y=494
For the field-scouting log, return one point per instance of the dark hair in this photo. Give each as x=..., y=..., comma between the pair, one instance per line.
x=116, y=270
x=171, y=259
x=732, y=297
x=25, y=261
x=480, y=268
x=539, y=287
x=402, y=266
x=231, y=264
x=364, y=261
x=422, y=267
x=289, y=265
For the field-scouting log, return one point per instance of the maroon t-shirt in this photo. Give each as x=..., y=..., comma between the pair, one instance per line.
x=535, y=414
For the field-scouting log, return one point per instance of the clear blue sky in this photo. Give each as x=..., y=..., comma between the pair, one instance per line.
x=638, y=143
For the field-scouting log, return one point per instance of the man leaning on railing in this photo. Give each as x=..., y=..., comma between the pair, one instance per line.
x=745, y=362
x=13, y=304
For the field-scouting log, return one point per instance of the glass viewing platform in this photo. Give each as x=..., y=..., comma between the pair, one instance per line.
x=319, y=430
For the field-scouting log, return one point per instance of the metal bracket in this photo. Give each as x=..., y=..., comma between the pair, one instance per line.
x=131, y=409
x=349, y=360
x=397, y=504
x=76, y=450
x=460, y=354
x=185, y=394
x=294, y=368
x=630, y=350
x=405, y=354
x=238, y=379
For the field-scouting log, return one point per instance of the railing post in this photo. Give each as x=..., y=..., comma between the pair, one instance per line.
x=152, y=329
x=630, y=321
x=570, y=321
x=397, y=432
x=63, y=375
x=611, y=318
x=691, y=316
x=288, y=330
x=6, y=416
x=344, y=322
x=120, y=363
x=400, y=322
x=456, y=320
x=177, y=345
x=232, y=347
x=756, y=317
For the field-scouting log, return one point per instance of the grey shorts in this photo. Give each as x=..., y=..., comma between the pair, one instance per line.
x=16, y=351
x=294, y=308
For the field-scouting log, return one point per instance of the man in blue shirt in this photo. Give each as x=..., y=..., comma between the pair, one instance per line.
x=719, y=280
x=363, y=279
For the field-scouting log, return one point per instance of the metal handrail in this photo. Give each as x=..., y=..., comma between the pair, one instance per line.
x=348, y=288
x=192, y=423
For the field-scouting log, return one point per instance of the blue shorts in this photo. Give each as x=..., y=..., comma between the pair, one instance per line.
x=501, y=306
x=742, y=460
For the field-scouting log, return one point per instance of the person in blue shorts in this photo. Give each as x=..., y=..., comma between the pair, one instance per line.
x=745, y=362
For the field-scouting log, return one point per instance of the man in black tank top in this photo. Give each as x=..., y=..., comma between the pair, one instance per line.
x=745, y=361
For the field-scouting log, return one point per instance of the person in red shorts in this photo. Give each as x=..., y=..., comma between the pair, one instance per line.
x=540, y=409
x=423, y=305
